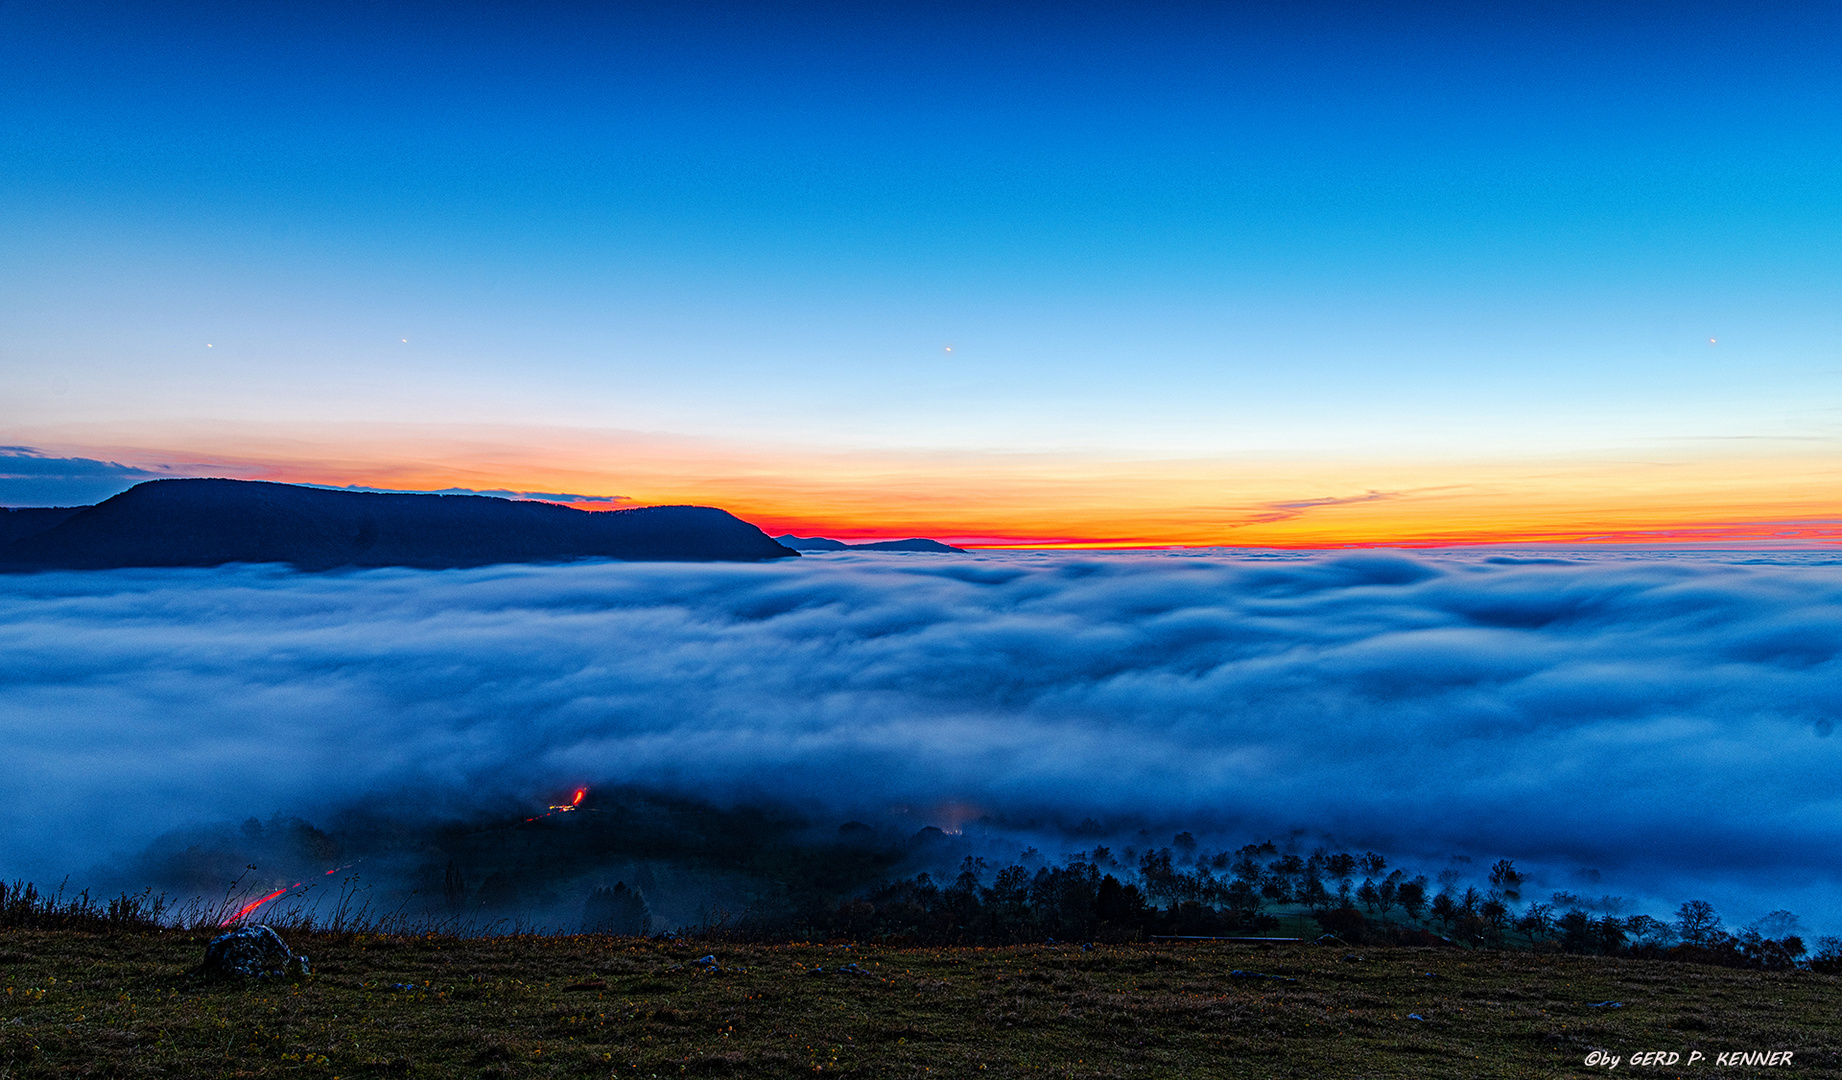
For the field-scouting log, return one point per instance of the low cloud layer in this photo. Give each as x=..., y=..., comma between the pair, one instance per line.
x=1665, y=720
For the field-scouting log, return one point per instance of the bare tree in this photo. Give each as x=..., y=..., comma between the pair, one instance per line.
x=1609, y=934
x=1412, y=897
x=1697, y=922
x=1645, y=930
x=1537, y=921
x=1495, y=913
x=1342, y=867
x=1778, y=924
x=1506, y=877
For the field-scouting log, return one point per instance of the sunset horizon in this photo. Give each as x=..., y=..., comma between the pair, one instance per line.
x=1019, y=539
x=1042, y=500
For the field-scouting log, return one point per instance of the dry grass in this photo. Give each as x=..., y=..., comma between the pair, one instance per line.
x=79, y=1004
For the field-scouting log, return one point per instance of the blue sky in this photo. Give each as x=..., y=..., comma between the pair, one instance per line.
x=1429, y=231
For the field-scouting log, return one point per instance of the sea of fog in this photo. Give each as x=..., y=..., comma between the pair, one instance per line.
x=1652, y=725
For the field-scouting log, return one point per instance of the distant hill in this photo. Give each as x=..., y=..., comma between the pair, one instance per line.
x=820, y=543
x=32, y=520
x=211, y=522
x=810, y=543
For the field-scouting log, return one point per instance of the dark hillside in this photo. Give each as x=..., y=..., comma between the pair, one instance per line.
x=32, y=520
x=913, y=543
x=211, y=522
x=810, y=543
x=820, y=543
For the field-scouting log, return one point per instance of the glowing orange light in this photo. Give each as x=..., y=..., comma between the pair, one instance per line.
x=564, y=808
x=254, y=904
x=251, y=906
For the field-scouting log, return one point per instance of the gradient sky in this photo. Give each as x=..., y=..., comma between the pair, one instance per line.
x=1163, y=273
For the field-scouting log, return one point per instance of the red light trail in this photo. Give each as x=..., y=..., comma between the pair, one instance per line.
x=254, y=904
x=564, y=808
x=242, y=912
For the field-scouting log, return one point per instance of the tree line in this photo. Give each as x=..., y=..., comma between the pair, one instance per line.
x=1358, y=898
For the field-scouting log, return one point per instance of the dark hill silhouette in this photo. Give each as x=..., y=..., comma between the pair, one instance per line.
x=32, y=520
x=820, y=543
x=210, y=522
x=810, y=543
x=915, y=543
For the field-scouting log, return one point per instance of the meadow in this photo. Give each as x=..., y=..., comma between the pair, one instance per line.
x=128, y=1004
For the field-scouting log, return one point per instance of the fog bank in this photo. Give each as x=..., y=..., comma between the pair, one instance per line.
x=1664, y=720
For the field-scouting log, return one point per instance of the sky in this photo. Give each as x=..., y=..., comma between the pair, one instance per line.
x=1271, y=275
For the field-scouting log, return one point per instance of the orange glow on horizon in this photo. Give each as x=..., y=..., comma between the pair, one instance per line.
x=1711, y=495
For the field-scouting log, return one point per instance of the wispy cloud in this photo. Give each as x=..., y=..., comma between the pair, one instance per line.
x=1285, y=511
x=503, y=493
x=31, y=478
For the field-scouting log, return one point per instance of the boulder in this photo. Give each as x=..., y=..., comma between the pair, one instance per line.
x=252, y=952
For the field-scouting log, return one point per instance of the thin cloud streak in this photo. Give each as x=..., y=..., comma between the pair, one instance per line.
x=29, y=477
x=502, y=493
x=1667, y=719
x=1285, y=511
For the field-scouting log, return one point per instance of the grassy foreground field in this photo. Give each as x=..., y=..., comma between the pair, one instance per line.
x=129, y=1005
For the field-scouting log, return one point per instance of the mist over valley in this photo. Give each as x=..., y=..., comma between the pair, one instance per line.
x=1651, y=725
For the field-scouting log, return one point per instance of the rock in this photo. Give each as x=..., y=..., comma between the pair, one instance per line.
x=707, y=963
x=853, y=969
x=1415, y=1016
x=252, y=952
